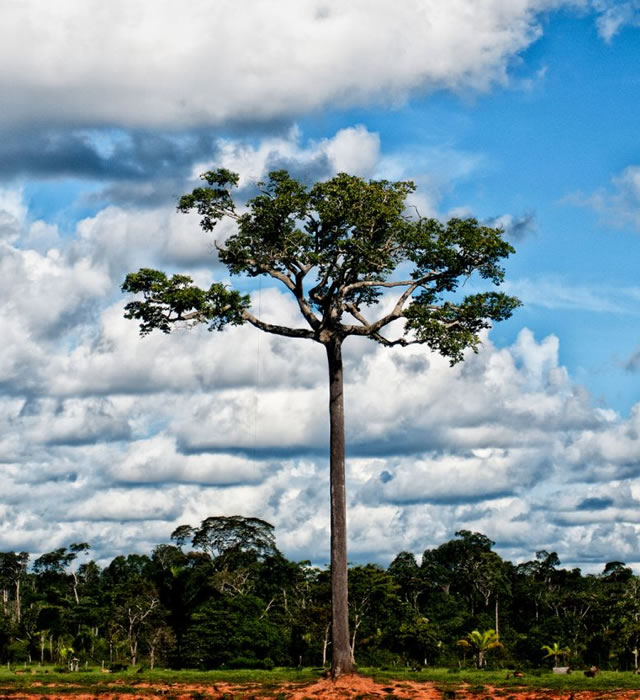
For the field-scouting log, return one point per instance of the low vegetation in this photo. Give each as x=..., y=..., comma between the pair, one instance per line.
x=47, y=681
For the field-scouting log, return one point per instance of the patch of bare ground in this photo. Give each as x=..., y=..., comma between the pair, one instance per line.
x=351, y=687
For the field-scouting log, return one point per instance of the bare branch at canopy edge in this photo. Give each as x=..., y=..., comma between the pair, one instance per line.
x=276, y=329
x=375, y=283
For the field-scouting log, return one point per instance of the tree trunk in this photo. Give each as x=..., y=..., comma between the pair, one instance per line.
x=341, y=661
x=353, y=639
x=75, y=587
x=325, y=645
x=497, y=618
x=18, y=602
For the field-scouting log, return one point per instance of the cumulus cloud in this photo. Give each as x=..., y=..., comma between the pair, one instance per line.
x=156, y=460
x=71, y=421
x=615, y=14
x=12, y=214
x=150, y=433
x=46, y=292
x=115, y=439
x=135, y=155
x=354, y=149
x=515, y=228
x=619, y=203
x=243, y=63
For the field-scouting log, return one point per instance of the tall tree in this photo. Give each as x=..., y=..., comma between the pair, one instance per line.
x=337, y=246
x=556, y=650
x=481, y=643
x=406, y=573
x=13, y=567
x=229, y=540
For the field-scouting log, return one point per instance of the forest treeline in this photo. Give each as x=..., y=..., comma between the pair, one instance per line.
x=223, y=595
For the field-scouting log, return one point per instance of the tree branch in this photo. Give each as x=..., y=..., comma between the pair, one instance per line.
x=277, y=330
x=351, y=308
x=294, y=286
x=394, y=315
x=303, y=304
x=376, y=283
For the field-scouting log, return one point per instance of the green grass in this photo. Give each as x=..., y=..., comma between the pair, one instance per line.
x=258, y=682
x=607, y=680
x=48, y=682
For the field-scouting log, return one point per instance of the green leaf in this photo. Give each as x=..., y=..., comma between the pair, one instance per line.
x=170, y=300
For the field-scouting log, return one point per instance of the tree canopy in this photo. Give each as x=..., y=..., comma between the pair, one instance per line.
x=337, y=247
x=177, y=607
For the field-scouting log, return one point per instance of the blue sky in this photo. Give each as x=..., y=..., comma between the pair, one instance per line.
x=522, y=113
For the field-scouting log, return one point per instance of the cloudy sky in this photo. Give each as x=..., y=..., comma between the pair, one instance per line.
x=523, y=113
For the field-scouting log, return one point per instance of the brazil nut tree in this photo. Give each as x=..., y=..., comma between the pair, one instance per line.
x=341, y=247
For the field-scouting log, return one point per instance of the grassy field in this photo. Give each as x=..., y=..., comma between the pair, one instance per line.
x=45, y=681
x=576, y=681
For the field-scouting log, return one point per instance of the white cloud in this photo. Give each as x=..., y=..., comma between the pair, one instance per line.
x=115, y=439
x=619, y=204
x=102, y=427
x=353, y=149
x=615, y=14
x=94, y=63
x=486, y=442
x=72, y=421
x=12, y=213
x=156, y=460
x=126, y=504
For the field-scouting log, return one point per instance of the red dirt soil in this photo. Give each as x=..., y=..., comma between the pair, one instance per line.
x=345, y=688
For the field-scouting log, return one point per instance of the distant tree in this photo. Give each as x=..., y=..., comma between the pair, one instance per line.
x=617, y=572
x=420, y=639
x=337, y=247
x=229, y=540
x=135, y=601
x=54, y=562
x=452, y=564
x=406, y=573
x=481, y=643
x=227, y=629
x=556, y=650
x=371, y=590
x=537, y=579
x=13, y=567
x=490, y=577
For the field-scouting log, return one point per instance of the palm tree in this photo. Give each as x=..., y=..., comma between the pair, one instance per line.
x=556, y=651
x=481, y=643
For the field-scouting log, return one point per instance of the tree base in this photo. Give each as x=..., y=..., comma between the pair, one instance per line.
x=344, y=669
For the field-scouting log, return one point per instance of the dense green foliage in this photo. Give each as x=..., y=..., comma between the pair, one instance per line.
x=337, y=247
x=233, y=600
